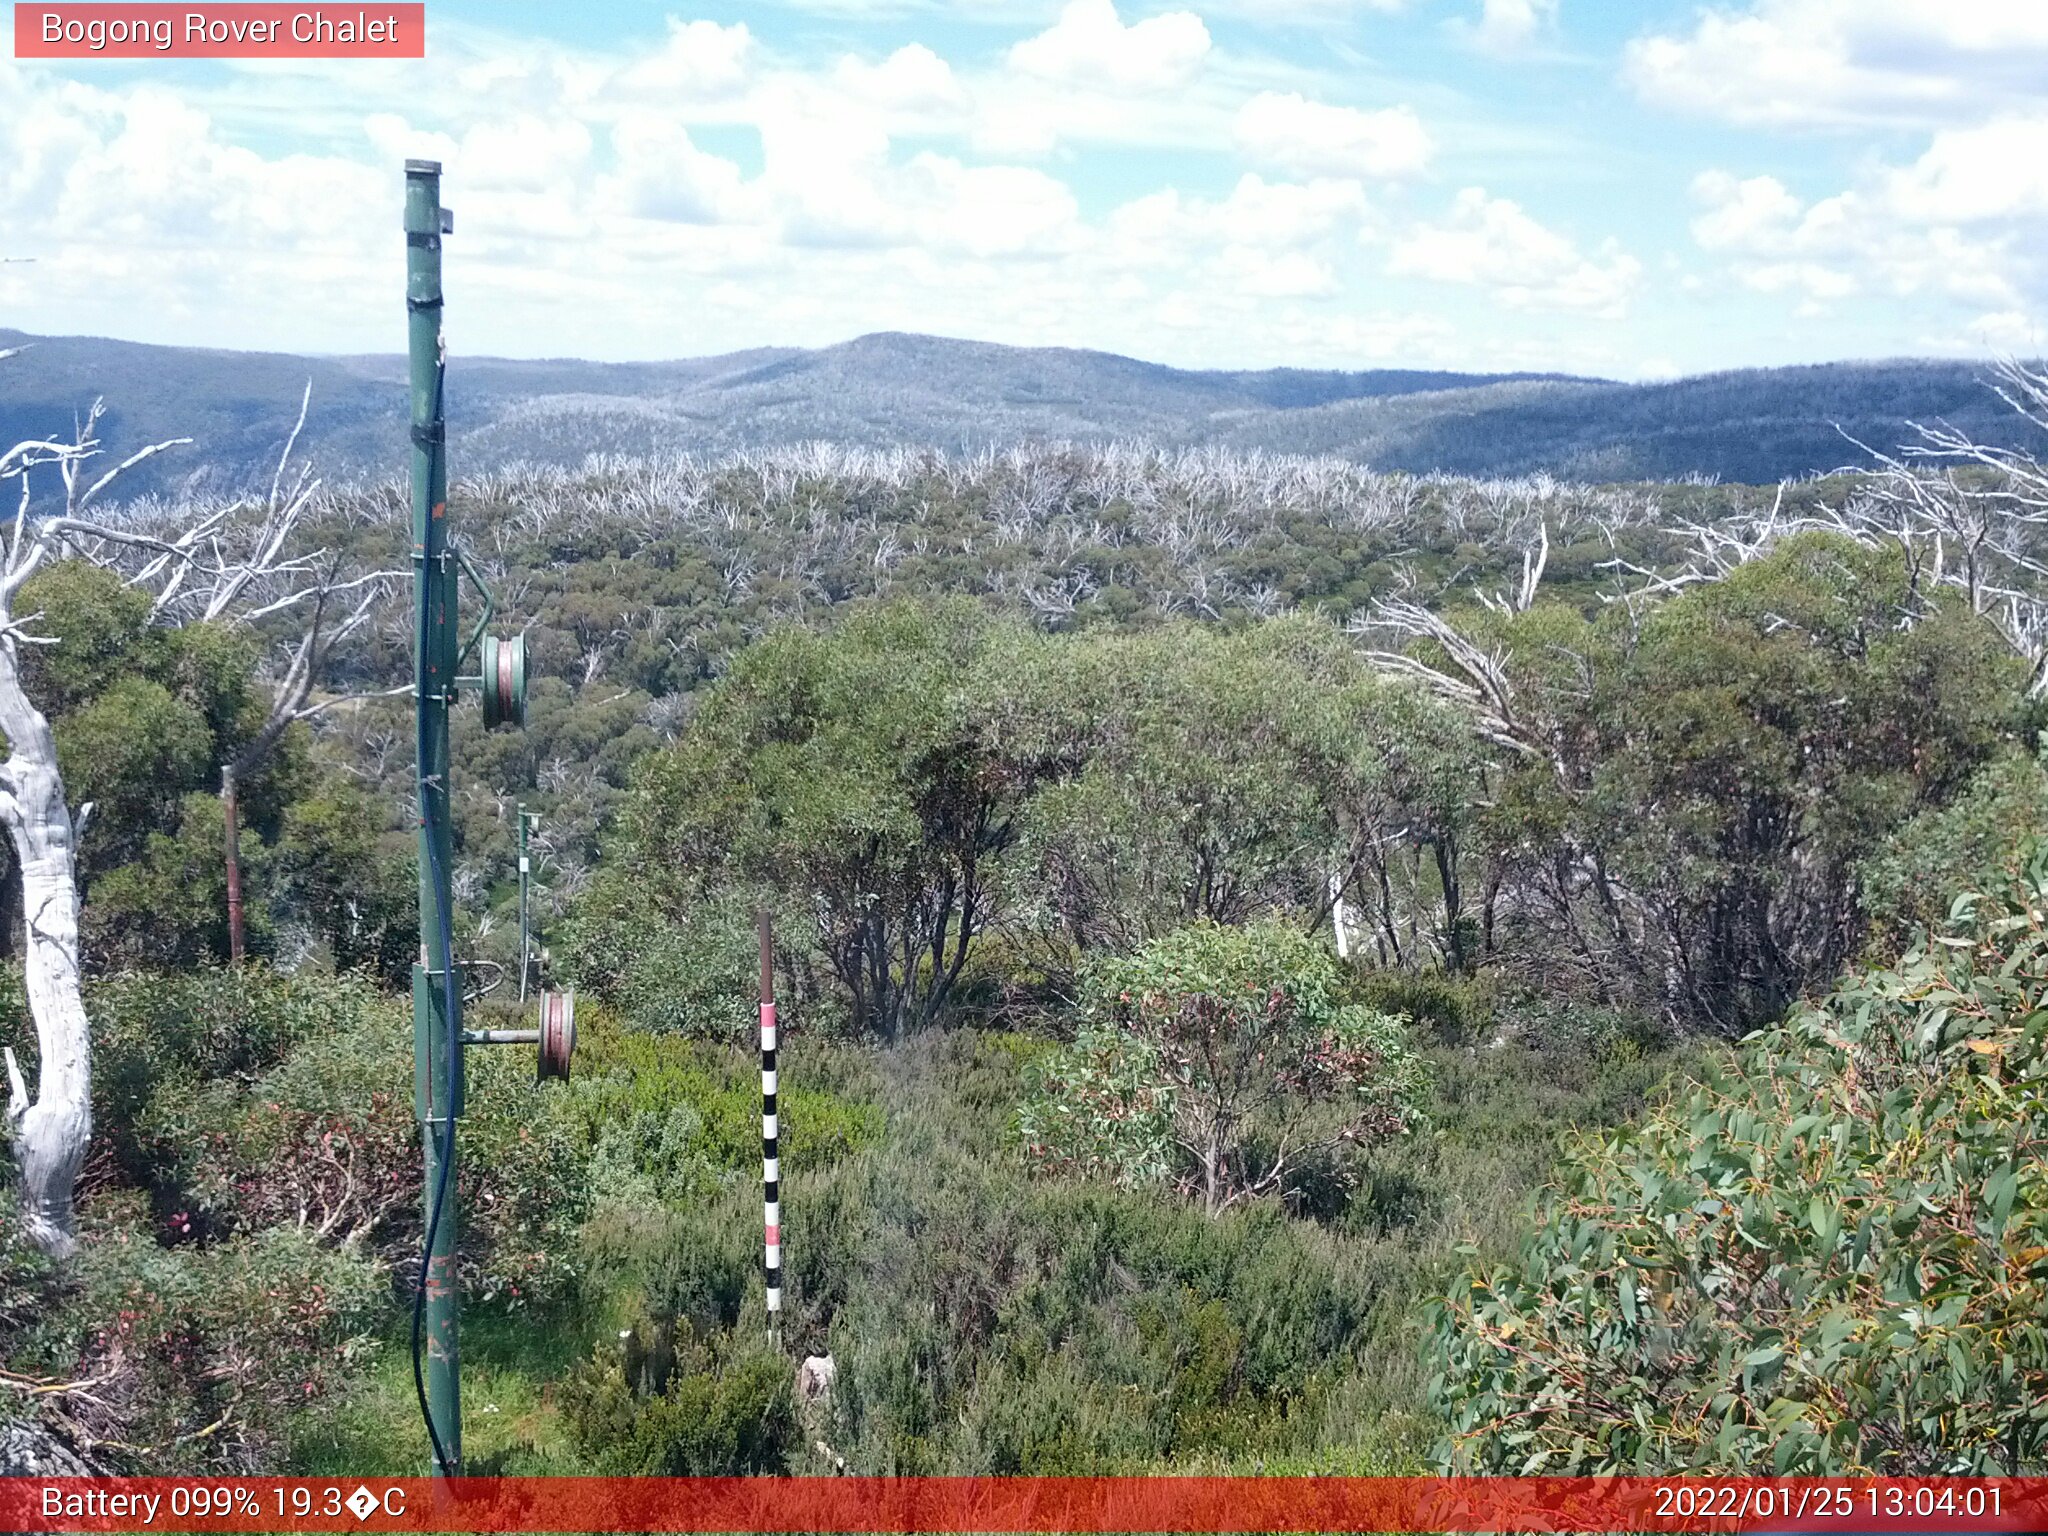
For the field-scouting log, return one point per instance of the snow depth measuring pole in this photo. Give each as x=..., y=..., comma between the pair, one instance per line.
x=771, y=1164
x=438, y=655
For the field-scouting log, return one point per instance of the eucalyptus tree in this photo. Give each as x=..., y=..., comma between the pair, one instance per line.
x=1689, y=782
x=211, y=564
x=871, y=777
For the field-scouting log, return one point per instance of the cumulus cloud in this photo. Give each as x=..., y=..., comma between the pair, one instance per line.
x=1493, y=243
x=913, y=79
x=1509, y=27
x=663, y=175
x=1997, y=170
x=2012, y=332
x=523, y=153
x=1307, y=12
x=1274, y=215
x=698, y=60
x=1268, y=274
x=717, y=191
x=1894, y=234
x=990, y=210
x=1741, y=215
x=1847, y=62
x=1311, y=138
x=1091, y=45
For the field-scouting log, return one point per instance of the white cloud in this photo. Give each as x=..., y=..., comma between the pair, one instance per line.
x=1027, y=126
x=1943, y=226
x=663, y=175
x=1741, y=215
x=1272, y=240
x=2012, y=332
x=698, y=60
x=913, y=79
x=1273, y=215
x=1311, y=138
x=1996, y=171
x=1306, y=12
x=1847, y=62
x=994, y=210
x=825, y=162
x=1491, y=242
x=1267, y=274
x=882, y=195
x=522, y=154
x=1509, y=27
x=1091, y=45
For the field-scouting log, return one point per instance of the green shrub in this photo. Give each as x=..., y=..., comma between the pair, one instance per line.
x=1013, y=979
x=1831, y=1258
x=1581, y=1028
x=1452, y=1010
x=155, y=1032
x=1977, y=839
x=717, y=1407
x=668, y=1120
x=1167, y=1334
x=350, y=880
x=1223, y=1060
x=696, y=975
x=207, y=1359
x=673, y=1266
x=31, y=1282
x=326, y=1141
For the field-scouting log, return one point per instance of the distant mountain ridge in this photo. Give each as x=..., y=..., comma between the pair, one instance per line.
x=892, y=389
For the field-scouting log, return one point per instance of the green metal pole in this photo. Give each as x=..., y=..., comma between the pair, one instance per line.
x=525, y=953
x=437, y=1047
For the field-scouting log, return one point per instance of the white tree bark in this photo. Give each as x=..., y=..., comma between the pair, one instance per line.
x=51, y=1133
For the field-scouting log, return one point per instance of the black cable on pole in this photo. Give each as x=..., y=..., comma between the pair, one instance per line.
x=446, y=1134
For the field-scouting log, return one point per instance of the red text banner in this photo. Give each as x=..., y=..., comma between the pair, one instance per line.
x=966, y=1504
x=220, y=31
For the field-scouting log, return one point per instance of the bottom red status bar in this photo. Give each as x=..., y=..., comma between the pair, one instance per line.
x=1000, y=1504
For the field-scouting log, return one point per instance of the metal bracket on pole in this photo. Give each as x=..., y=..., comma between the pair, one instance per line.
x=490, y=604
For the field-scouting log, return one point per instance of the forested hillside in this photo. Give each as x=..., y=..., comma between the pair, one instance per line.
x=1756, y=426
x=1265, y=947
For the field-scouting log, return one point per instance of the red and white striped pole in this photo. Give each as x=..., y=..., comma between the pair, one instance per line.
x=771, y=1170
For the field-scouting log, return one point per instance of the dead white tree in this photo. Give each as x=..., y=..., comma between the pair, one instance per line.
x=206, y=566
x=1469, y=673
x=1972, y=516
x=1535, y=558
x=49, y=1131
x=1965, y=515
x=254, y=574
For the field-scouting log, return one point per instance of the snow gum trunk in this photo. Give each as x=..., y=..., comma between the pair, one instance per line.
x=50, y=1133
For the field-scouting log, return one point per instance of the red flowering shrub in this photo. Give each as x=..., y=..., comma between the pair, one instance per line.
x=207, y=1359
x=327, y=1144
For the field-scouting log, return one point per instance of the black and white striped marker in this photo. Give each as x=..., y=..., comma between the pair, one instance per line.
x=771, y=1170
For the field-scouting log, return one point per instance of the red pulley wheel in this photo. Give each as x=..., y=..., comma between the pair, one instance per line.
x=504, y=681
x=557, y=1033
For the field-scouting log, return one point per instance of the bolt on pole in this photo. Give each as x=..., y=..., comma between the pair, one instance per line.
x=437, y=994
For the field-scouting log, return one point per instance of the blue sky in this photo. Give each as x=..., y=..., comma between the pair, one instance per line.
x=1633, y=188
